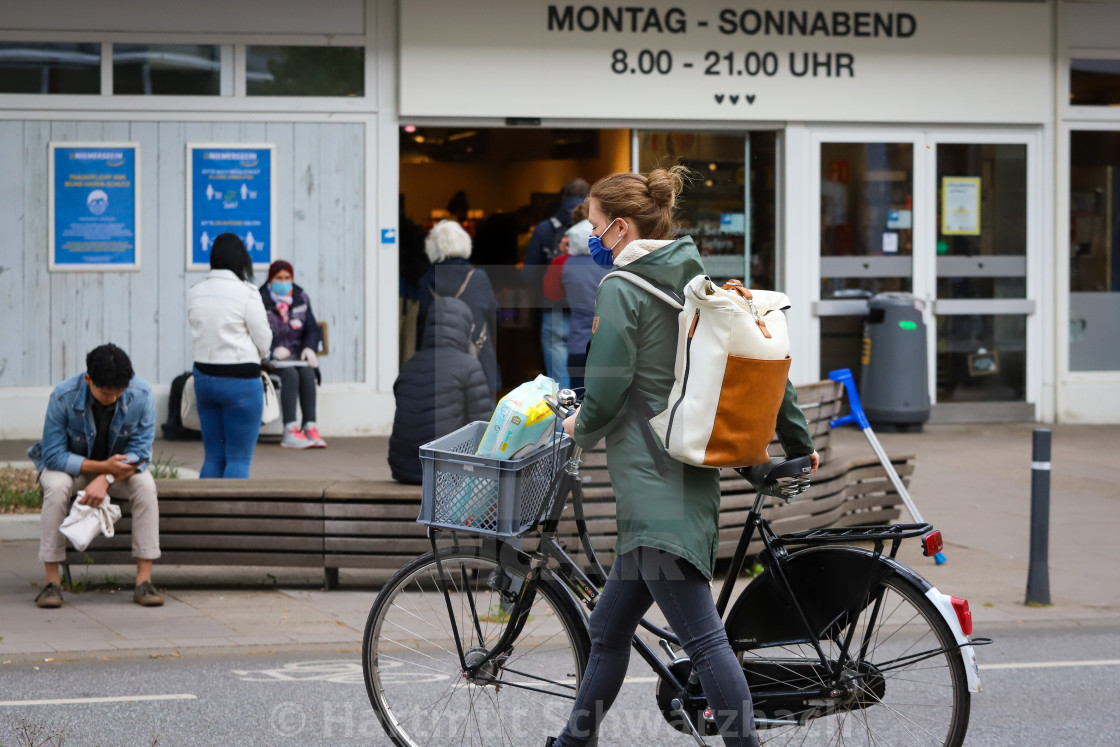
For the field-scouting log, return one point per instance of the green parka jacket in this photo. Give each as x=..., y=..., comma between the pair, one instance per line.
x=661, y=502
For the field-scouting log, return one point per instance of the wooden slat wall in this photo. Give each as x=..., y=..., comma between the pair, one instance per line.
x=53, y=319
x=220, y=522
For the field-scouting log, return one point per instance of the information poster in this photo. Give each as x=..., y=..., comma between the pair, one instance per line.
x=94, y=206
x=960, y=206
x=230, y=189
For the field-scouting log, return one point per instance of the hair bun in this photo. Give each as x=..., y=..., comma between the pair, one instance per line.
x=665, y=184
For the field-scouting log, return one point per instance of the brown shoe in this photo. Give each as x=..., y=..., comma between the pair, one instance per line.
x=50, y=597
x=146, y=595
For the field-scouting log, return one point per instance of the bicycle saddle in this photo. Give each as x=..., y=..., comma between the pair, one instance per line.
x=785, y=478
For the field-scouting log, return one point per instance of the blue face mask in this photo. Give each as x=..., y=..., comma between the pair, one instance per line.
x=281, y=289
x=603, y=256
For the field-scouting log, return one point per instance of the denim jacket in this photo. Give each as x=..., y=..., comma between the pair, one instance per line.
x=69, y=430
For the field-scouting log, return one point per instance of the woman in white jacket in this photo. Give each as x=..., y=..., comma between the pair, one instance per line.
x=230, y=336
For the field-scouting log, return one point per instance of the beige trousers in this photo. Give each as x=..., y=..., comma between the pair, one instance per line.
x=59, y=490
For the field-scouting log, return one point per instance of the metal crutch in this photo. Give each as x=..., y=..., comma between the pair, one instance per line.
x=857, y=415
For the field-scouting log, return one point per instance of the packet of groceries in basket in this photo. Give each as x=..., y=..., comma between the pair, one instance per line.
x=521, y=422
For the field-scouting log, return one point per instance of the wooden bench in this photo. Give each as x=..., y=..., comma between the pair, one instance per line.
x=226, y=522
x=333, y=524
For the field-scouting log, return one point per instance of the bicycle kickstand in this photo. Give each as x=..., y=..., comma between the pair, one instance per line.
x=678, y=708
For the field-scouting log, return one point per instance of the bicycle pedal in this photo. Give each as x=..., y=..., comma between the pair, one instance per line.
x=678, y=708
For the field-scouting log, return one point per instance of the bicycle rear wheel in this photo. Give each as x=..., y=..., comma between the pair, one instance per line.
x=907, y=688
x=414, y=676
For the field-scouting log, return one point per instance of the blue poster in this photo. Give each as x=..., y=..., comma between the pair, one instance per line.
x=94, y=207
x=230, y=192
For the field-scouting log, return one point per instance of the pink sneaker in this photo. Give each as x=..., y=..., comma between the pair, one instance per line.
x=294, y=438
x=312, y=432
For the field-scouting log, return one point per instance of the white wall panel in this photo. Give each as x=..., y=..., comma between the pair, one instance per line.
x=143, y=317
x=11, y=264
x=36, y=338
x=52, y=320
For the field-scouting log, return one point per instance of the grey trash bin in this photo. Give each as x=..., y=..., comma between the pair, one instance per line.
x=894, y=383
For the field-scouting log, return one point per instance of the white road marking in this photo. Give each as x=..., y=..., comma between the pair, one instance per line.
x=113, y=699
x=1053, y=664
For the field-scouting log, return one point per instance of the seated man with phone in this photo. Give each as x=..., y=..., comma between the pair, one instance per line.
x=97, y=438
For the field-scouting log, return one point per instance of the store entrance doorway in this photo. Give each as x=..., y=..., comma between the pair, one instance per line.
x=499, y=183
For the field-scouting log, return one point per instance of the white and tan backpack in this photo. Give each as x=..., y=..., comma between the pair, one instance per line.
x=731, y=370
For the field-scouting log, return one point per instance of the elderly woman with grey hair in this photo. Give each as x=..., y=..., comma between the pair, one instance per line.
x=451, y=275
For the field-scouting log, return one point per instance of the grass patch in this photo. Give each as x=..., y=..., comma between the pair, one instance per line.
x=19, y=493
x=164, y=468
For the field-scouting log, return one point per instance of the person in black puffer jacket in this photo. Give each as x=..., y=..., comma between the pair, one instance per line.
x=439, y=389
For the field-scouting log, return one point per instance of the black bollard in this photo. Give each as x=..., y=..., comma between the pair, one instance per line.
x=1038, y=574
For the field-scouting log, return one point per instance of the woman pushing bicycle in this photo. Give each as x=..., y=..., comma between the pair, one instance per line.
x=667, y=511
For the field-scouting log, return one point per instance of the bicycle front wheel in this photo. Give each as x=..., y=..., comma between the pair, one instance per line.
x=901, y=683
x=413, y=673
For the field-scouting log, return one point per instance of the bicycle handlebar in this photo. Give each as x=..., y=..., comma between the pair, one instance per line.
x=563, y=405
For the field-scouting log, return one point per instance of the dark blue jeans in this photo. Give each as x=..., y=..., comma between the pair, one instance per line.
x=638, y=579
x=229, y=411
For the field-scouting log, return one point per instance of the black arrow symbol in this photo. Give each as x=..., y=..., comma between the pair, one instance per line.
x=734, y=98
x=719, y=98
x=749, y=97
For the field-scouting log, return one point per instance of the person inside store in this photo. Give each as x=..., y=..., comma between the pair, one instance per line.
x=543, y=248
x=580, y=277
x=295, y=338
x=452, y=275
x=440, y=389
x=667, y=511
x=97, y=438
x=230, y=336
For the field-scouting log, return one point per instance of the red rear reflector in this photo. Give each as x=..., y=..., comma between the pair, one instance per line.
x=964, y=615
x=932, y=544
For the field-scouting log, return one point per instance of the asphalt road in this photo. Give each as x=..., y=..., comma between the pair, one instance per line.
x=1051, y=686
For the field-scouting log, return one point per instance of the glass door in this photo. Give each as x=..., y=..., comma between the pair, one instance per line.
x=982, y=234
x=952, y=217
x=866, y=237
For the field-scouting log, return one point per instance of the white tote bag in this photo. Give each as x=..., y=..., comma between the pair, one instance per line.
x=271, y=409
x=188, y=406
x=83, y=523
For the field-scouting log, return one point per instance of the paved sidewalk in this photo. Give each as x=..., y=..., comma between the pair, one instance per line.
x=972, y=481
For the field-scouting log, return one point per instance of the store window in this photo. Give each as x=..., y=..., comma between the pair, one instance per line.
x=167, y=69
x=729, y=207
x=38, y=67
x=1094, y=317
x=1094, y=82
x=305, y=71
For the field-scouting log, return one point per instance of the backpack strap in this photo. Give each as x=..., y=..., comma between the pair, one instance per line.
x=466, y=280
x=665, y=294
x=458, y=293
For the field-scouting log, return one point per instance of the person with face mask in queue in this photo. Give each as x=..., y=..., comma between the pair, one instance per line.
x=295, y=338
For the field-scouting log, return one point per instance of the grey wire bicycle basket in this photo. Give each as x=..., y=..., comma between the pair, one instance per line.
x=481, y=495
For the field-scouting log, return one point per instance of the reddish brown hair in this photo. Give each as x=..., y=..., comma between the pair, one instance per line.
x=646, y=199
x=579, y=212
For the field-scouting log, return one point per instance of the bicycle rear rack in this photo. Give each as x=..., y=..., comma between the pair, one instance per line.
x=842, y=535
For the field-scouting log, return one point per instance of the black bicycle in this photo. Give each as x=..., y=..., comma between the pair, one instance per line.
x=484, y=639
